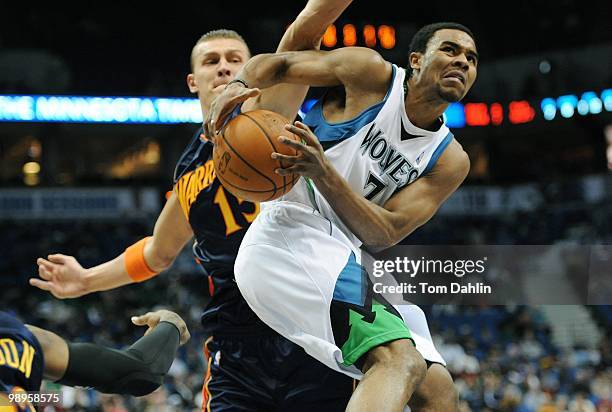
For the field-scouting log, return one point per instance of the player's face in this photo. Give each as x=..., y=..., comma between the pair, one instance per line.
x=215, y=62
x=450, y=64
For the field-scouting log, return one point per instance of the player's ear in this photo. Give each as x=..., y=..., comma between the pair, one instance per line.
x=415, y=60
x=191, y=83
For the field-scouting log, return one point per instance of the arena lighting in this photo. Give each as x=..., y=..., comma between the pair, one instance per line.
x=31, y=168
x=566, y=105
x=368, y=36
x=497, y=114
x=549, y=108
x=349, y=35
x=156, y=110
x=455, y=115
x=595, y=104
x=386, y=34
x=582, y=107
x=606, y=98
x=477, y=114
x=81, y=109
x=520, y=112
x=329, y=38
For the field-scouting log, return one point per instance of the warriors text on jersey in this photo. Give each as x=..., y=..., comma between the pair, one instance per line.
x=219, y=221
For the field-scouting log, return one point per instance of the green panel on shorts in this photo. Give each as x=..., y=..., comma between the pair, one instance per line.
x=370, y=331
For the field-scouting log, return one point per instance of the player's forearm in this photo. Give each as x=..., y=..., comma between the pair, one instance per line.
x=264, y=70
x=55, y=352
x=305, y=33
x=373, y=225
x=113, y=274
x=309, y=27
x=108, y=275
x=138, y=370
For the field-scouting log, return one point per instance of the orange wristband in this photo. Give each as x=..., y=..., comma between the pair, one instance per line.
x=135, y=264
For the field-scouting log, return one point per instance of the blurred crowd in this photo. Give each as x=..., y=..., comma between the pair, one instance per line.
x=503, y=359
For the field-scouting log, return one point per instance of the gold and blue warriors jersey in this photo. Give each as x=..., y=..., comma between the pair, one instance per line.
x=21, y=361
x=219, y=221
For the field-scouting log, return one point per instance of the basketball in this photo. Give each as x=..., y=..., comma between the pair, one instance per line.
x=242, y=156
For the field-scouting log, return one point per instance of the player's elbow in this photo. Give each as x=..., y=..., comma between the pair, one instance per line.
x=405, y=225
x=142, y=385
x=300, y=35
x=143, y=376
x=160, y=257
x=389, y=232
x=161, y=262
x=271, y=66
x=463, y=167
x=384, y=237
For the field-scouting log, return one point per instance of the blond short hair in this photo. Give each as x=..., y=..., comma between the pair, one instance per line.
x=219, y=34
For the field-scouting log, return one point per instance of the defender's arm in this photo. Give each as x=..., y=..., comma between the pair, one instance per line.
x=362, y=72
x=64, y=277
x=137, y=370
x=305, y=33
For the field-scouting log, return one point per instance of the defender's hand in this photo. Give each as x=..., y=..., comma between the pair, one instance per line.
x=61, y=275
x=152, y=319
x=224, y=104
x=310, y=161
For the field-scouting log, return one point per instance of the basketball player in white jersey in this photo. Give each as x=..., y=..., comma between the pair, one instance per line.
x=382, y=165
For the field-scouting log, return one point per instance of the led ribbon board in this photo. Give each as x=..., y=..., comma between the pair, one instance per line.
x=162, y=110
x=78, y=109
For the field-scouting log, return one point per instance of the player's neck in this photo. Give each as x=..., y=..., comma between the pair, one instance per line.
x=423, y=108
x=204, y=105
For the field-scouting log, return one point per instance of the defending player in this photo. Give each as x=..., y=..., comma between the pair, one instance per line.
x=279, y=374
x=389, y=163
x=28, y=354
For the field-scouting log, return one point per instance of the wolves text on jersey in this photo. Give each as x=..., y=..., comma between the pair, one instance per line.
x=391, y=161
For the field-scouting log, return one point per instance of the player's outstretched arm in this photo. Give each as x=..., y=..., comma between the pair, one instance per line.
x=137, y=370
x=305, y=33
x=377, y=227
x=307, y=30
x=363, y=73
x=64, y=277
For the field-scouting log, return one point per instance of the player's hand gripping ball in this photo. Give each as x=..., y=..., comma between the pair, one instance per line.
x=243, y=156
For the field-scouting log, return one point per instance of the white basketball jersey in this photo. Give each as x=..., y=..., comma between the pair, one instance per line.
x=378, y=152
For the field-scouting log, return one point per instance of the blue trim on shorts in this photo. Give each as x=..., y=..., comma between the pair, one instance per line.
x=351, y=285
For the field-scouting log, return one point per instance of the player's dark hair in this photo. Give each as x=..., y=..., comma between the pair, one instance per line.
x=421, y=39
x=219, y=34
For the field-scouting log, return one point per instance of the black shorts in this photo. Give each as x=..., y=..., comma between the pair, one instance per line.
x=269, y=373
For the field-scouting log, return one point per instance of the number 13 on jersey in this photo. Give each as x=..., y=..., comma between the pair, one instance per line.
x=229, y=216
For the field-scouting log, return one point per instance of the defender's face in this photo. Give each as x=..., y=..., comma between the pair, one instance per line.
x=450, y=64
x=215, y=62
